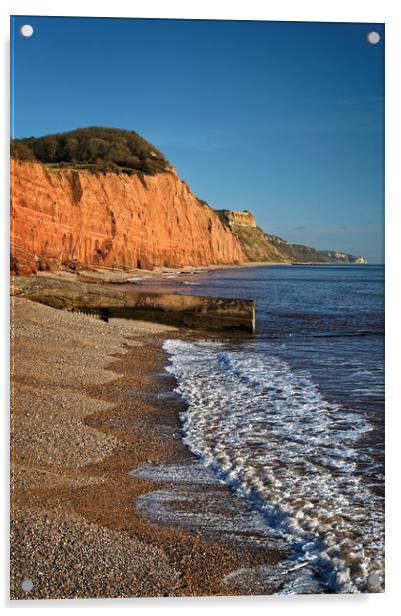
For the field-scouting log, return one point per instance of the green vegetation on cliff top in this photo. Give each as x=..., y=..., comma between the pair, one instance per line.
x=94, y=149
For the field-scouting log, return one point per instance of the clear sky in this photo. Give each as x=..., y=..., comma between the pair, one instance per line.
x=282, y=119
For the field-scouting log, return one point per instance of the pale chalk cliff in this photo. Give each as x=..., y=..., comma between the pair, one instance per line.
x=82, y=219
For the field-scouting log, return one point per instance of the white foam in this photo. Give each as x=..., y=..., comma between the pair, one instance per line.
x=138, y=279
x=196, y=510
x=268, y=432
x=176, y=473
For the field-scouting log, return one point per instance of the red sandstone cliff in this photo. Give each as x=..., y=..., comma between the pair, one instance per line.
x=111, y=220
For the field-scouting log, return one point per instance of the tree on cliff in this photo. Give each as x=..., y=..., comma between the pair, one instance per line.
x=47, y=150
x=71, y=148
x=94, y=148
x=21, y=151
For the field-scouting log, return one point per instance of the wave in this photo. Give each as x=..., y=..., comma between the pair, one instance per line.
x=355, y=334
x=268, y=432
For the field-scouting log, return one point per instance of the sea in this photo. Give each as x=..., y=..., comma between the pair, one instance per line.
x=292, y=419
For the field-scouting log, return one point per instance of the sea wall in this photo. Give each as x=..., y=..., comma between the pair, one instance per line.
x=82, y=219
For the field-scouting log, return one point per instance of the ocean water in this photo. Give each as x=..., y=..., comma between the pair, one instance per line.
x=293, y=419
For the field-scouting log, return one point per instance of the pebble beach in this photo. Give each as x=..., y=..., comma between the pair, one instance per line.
x=91, y=402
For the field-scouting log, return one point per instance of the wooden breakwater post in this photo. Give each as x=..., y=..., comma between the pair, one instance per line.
x=196, y=312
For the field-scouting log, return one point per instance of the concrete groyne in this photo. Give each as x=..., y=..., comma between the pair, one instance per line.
x=196, y=312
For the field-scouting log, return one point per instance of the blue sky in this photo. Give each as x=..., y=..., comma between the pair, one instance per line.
x=282, y=119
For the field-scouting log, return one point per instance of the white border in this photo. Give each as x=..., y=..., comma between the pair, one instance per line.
x=377, y=11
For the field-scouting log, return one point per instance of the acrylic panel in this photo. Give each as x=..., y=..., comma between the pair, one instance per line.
x=197, y=280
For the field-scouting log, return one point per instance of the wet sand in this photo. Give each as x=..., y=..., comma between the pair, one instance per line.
x=91, y=406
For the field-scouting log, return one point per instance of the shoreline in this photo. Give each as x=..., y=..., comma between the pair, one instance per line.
x=119, y=276
x=115, y=276
x=92, y=403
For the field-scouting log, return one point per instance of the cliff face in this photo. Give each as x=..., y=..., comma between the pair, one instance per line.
x=342, y=257
x=260, y=246
x=254, y=242
x=237, y=218
x=83, y=219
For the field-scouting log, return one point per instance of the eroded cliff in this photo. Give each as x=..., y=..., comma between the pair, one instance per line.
x=259, y=246
x=80, y=219
x=255, y=243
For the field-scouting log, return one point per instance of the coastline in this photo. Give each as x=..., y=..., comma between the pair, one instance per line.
x=115, y=276
x=92, y=403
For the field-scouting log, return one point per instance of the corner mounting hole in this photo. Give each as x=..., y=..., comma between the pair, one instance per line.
x=26, y=585
x=373, y=580
x=373, y=38
x=26, y=30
